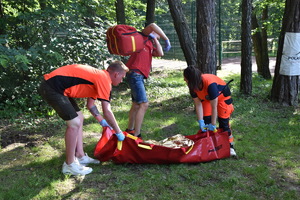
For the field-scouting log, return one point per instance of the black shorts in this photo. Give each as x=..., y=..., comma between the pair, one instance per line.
x=65, y=107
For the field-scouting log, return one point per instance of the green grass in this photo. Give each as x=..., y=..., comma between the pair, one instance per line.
x=266, y=134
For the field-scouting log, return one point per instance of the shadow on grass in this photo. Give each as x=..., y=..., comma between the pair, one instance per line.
x=24, y=177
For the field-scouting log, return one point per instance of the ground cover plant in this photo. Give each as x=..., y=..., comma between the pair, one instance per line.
x=266, y=136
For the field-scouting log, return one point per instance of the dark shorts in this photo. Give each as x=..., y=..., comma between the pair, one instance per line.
x=65, y=107
x=137, y=86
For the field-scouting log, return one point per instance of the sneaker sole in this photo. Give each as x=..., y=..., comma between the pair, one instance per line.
x=89, y=163
x=76, y=174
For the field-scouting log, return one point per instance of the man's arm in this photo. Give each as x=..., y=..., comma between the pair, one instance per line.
x=153, y=27
x=93, y=109
x=158, y=51
x=109, y=116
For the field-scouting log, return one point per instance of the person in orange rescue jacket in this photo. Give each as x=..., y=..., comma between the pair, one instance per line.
x=212, y=99
x=59, y=89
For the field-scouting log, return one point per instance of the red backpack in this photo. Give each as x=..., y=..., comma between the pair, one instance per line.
x=124, y=40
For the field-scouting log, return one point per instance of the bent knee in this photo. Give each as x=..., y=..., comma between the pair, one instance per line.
x=74, y=123
x=144, y=105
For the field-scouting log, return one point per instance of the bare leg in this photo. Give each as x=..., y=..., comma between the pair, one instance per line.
x=136, y=116
x=71, y=137
x=132, y=114
x=79, y=147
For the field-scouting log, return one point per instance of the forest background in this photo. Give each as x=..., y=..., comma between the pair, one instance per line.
x=37, y=36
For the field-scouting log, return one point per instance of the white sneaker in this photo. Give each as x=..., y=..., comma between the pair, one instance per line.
x=87, y=160
x=232, y=152
x=75, y=169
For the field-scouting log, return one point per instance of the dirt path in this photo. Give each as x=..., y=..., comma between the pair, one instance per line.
x=229, y=65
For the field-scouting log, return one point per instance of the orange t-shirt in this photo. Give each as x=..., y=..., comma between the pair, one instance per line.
x=80, y=81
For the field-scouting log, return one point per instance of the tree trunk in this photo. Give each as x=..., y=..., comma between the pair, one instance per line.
x=183, y=32
x=150, y=14
x=265, y=71
x=285, y=89
x=120, y=12
x=260, y=45
x=246, y=62
x=257, y=42
x=43, y=4
x=206, y=36
x=2, y=28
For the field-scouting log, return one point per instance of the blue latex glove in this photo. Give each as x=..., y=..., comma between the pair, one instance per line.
x=120, y=136
x=167, y=46
x=211, y=127
x=202, y=125
x=152, y=36
x=104, y=123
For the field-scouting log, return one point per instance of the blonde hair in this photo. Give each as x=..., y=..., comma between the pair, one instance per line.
x=117, y=66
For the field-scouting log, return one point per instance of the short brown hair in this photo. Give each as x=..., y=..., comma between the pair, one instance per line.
x=117, y=66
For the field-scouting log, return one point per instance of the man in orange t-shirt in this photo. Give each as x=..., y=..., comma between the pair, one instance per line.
x=59, y=89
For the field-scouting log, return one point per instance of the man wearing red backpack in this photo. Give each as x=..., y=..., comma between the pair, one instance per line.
x=139, y=65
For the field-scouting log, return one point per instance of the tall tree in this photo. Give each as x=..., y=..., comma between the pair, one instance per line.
x=246, y=62
x=183, y=31
x=150, y=13
x=260, y=43
x=285, y=89
x=1, y=17
x=43, y=4
x=120, y=12
x=206, y=33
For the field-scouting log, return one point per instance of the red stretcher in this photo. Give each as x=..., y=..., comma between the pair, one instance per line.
x=208, y=146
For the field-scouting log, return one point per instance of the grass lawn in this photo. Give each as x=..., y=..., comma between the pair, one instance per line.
x=267, y=141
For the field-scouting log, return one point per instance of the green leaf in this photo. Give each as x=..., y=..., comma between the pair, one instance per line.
x=4, y=60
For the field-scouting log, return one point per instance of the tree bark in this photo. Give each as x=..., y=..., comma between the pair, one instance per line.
x=120, y=12
x=285, y=89
x=265, y=71
x=150, y=13
x=183, y=32
x=206, y=36
x=246, y=62
x=2, y=28
x=43, y=4
x=260, y=44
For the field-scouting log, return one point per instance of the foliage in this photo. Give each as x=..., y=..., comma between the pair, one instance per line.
x=39, y=36
x=275, y=14
x=135, y=12
x=37, y=41
x=231, y=17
